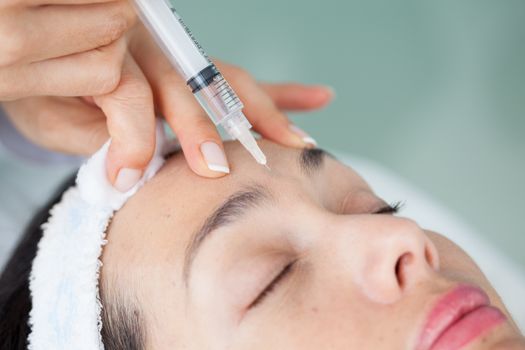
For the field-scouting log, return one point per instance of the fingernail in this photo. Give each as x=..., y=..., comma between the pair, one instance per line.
x=127, y=178
x=303, y=135
x=214, y=157
x=330, y=90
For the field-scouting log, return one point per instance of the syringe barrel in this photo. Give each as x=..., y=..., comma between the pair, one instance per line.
x=187, y=56
x=219, y=100
x=173, y=36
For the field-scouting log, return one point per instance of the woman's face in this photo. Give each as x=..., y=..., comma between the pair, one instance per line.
x=304, y=256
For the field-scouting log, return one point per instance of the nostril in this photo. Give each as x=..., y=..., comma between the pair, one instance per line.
x=431, y=257
x=401, y=264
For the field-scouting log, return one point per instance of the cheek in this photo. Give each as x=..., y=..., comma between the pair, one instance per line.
x=314, y=314
x=455, y=263
x=336, y=324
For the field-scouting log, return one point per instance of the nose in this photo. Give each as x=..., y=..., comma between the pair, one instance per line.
x=389, y=255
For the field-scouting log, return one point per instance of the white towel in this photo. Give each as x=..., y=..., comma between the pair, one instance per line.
x=66, y=312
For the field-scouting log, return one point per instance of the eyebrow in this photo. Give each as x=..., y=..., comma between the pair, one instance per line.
x=311, y=160
x=235, y=206
x=232, y=209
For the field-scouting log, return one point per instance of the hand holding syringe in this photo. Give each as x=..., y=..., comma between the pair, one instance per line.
x=209, y=86
x=96, y=49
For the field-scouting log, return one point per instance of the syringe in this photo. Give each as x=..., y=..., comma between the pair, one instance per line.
x=208, y=85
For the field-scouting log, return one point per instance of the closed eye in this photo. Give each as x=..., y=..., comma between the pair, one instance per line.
x=273, y=284
x=393, y=208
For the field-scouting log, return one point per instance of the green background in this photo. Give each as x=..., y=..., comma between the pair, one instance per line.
x=432, y=89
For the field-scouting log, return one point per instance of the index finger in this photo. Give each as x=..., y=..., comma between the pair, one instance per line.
x=298, y=97
x=65, y=2
x=131, y=125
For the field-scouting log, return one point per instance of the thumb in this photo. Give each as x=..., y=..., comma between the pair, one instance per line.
x=130, y=117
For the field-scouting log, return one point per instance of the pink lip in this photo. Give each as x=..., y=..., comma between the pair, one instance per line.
x=459, y=317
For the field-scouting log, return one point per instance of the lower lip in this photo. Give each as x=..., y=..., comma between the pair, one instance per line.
x=468, y=328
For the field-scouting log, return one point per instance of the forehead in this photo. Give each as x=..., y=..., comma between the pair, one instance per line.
x=157, y=223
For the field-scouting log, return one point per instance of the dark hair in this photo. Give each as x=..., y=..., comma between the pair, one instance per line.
x=122, y=323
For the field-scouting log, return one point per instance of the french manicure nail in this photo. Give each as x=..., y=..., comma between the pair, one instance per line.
x=127, y=178
x=303, y=135
x=331, y=90
x=214, y=157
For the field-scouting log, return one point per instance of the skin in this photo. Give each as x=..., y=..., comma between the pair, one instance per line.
x=74, y=72
x=342, y=293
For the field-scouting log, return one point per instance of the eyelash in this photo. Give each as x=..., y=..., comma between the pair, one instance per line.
x=393, y=208
x=273, y=284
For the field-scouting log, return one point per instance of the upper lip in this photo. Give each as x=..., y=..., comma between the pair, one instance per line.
x=452, y=306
